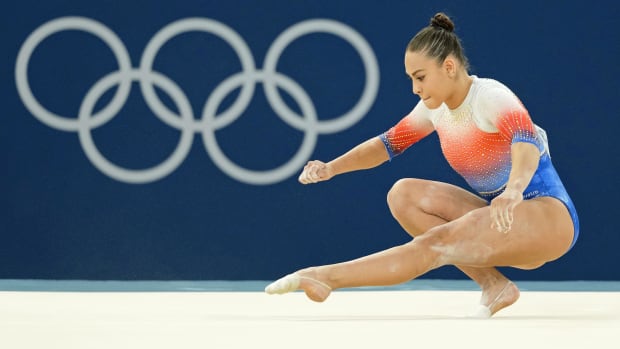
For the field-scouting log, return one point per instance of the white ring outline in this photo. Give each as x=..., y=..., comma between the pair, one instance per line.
x=269, y=176
x=71, y=23
x=145, y=175
x=206, y=25
x=369, y=60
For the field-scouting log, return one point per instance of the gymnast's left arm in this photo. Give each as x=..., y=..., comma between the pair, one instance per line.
x=525, y=157
x=506, y=112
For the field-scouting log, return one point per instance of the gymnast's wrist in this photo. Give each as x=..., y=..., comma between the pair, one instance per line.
x=516, y=186
x=332, y=168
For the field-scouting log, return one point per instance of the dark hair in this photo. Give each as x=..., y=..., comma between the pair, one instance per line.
x=438, y=40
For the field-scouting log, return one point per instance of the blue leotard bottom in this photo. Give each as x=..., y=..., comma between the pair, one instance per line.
x=546, y=182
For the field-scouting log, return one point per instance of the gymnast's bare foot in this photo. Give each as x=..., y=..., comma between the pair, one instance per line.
x=496, y=297
x=306, y=280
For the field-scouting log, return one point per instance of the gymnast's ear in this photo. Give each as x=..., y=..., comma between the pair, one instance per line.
x=449, y=66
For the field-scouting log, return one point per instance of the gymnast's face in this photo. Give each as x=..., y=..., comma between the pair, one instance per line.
x=431, y=80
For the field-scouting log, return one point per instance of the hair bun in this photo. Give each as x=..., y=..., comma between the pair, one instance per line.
x=441, y=20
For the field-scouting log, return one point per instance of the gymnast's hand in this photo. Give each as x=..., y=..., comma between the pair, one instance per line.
x=502, y=209
x=316, y=171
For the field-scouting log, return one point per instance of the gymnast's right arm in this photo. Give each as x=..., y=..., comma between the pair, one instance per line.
x=370, y=153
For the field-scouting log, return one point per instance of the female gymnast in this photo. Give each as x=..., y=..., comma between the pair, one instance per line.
x=522, y=216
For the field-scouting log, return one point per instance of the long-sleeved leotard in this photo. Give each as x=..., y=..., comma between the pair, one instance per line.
x=476, y=140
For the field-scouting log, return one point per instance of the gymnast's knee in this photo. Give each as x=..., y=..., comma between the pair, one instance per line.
x=407, y=193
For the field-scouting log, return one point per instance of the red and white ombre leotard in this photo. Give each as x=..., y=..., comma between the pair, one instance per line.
x=475, y=137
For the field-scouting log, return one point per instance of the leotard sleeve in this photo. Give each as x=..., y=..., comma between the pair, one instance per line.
x=505, y=112
x=410, y=129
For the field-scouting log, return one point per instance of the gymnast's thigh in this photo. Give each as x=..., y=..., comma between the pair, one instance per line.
x=542, y=231
x=433, y=197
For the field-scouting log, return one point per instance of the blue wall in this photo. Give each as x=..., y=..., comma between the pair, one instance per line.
x=86, y=197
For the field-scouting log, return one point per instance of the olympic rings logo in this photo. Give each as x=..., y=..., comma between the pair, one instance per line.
x=210, y=122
